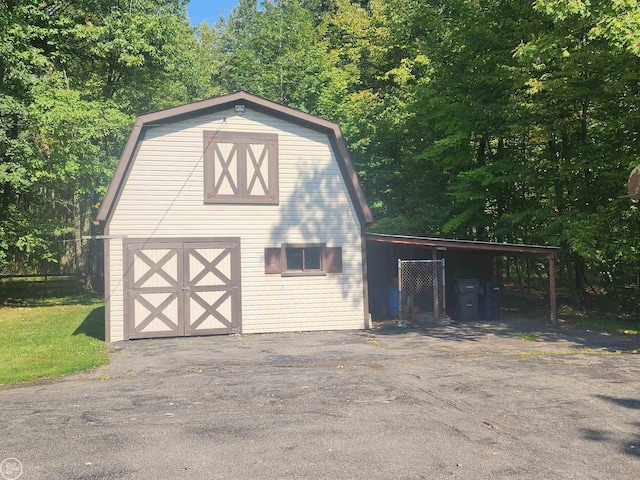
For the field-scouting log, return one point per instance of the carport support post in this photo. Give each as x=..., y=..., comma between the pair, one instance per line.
x=436, y=302
x=400, y=316
x=552, y=288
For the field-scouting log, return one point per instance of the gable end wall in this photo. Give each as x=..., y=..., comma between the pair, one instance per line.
x=162, y=197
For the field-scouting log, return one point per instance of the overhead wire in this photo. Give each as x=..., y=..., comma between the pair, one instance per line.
x=197, y=163
x=184, y=184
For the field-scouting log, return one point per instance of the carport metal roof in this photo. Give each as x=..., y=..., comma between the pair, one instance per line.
x=507, y=249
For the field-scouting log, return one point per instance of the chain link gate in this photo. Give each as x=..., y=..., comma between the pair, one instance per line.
x=422, y=289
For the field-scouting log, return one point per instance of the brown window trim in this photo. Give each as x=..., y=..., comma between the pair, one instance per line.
x=276, y=260
x=286, y=272
x=242, y=140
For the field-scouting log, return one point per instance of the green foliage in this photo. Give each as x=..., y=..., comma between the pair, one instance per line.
x=496, y=120
x=72, y=77
x=274, y=51
x=523, y=131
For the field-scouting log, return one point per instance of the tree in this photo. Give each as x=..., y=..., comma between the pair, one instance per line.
x=73, y=75
x=273, y=50
x=576, y=94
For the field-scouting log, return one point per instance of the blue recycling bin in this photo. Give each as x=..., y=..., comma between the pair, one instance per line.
x=393, y=303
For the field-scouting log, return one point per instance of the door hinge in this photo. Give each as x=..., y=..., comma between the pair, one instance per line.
x=128, y=291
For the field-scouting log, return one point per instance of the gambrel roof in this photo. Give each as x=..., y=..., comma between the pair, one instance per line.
x=175, y=114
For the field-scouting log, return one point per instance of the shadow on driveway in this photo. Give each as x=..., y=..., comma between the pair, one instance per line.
x=514, y=328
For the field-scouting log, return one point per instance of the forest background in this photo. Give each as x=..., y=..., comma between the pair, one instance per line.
x=494, y=120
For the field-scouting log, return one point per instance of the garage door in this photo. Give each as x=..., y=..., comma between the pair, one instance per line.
x=181, y=288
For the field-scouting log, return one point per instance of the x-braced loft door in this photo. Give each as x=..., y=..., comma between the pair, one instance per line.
x=178, y=288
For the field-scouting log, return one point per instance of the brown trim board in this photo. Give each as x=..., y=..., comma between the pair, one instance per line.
x=451, y=244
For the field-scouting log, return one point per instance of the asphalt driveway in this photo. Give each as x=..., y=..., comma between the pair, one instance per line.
x=470, y=401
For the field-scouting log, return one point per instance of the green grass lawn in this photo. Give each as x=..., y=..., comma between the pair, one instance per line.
x=600, y=322
x=49, y=329
x=537, y=307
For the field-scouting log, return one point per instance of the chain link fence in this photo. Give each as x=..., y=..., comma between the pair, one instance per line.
x=422, y=290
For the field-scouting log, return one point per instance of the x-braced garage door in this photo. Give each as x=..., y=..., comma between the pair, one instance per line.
x=177, y=287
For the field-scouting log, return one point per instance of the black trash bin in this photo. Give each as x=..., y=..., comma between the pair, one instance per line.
x=485, y=304
x=468, y=300
x=493, y=294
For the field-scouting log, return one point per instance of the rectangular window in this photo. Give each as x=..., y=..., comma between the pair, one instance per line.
x=240, y=168
x=303, y=259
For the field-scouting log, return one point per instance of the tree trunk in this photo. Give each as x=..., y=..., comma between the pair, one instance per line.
x=77, y=235
x=580, y=284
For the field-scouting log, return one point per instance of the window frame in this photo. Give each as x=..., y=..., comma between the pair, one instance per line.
x=276, y=260
x=242, y=145
x=286, y=272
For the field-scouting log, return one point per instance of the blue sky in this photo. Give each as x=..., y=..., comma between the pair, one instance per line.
x=209, y=10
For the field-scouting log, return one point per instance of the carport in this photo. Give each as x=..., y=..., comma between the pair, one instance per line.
x=468, y=258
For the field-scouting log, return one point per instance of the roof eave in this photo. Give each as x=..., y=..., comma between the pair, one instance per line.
x=446, y=244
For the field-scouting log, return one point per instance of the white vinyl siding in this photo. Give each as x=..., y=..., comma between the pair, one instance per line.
x=163, y=197
x=114, y=296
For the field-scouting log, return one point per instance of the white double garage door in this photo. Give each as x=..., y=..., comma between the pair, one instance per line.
x=181, y=287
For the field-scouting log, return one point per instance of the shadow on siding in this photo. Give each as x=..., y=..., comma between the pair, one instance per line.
x=313, y=213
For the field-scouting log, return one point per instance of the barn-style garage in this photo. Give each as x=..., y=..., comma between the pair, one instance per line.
x=233, y=214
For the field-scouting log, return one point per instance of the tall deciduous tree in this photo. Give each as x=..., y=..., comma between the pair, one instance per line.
x=73, y=75
x=273, y=50
x=492, y=119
